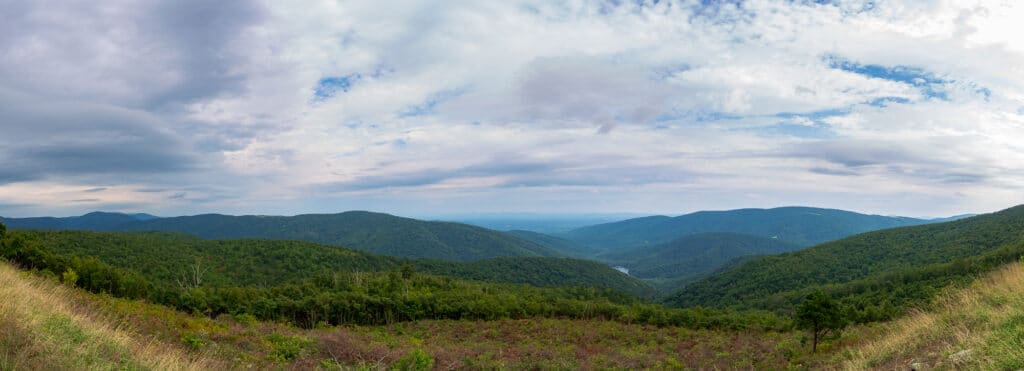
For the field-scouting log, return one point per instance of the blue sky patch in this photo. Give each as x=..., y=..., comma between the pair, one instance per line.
x=884, y=101
x=329, y=86
x=929, y=84
x=430, y=104
x=813, y=115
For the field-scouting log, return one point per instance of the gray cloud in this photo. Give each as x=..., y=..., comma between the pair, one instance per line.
x=524, y=174
x=150, y=54
x=589, y=90
x=601, y=176
x=45, y=138
x=830, y=171
x=425, y=177
x=923, y=160
x=858, y=153
x=203, y=38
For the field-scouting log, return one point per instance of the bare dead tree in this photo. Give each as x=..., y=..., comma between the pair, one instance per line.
x=192, y=277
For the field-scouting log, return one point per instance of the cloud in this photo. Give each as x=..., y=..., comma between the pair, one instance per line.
x=589, y=90
x=266, y=107
x=140, y=55
x=54, y=138
x=855, y=154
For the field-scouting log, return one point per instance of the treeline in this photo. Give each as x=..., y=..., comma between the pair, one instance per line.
x=334, y=298
x=873, y=276
x=84, y=272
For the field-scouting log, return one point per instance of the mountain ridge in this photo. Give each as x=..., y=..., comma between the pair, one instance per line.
x=362, y=230
x=804, y=226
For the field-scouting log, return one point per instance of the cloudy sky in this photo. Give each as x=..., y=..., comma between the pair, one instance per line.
x=183, y=107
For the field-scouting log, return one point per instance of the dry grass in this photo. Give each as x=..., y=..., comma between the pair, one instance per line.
x=560, y=344
x=980, y=327
x=44, y=326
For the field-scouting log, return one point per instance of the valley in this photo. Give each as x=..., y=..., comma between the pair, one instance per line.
x=710, y=296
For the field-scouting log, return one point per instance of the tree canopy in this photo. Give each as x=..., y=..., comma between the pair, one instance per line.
x=819, y=314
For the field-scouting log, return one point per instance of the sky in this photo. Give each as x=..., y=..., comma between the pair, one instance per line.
x=422, y=108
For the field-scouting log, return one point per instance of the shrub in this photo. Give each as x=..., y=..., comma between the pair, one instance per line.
x=417, y=360
x=69, y=277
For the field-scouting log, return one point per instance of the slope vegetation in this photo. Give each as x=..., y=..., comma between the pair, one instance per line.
x=44, y=325
x=563, y=246
x=47, y=325
x=875, y=274
x=803, y=226
x=980, y=327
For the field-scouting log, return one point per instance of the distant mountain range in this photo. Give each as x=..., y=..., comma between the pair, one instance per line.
x=802, y=226
x=372, y=232
x=94, y=221
x=667, y=252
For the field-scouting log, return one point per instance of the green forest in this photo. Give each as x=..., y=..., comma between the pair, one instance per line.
x=370, y=290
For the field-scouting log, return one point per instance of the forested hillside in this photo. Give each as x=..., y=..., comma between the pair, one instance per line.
x=874, y=274
x=803, y=226
x=165, y=257
x=333, y=297
x=564, y=246
x=372, y=232
x=681, y=261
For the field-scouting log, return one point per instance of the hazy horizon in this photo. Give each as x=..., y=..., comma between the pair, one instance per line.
x=493, y=216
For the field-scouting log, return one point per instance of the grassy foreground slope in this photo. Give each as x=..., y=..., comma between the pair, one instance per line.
x=979, y=327
x=876, y=274
x=44, y=325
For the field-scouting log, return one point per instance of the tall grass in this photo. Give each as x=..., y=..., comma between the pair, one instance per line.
x=979, y=327
x=43, y=325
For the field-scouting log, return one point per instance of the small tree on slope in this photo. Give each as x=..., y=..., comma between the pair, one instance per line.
x=819, y=314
